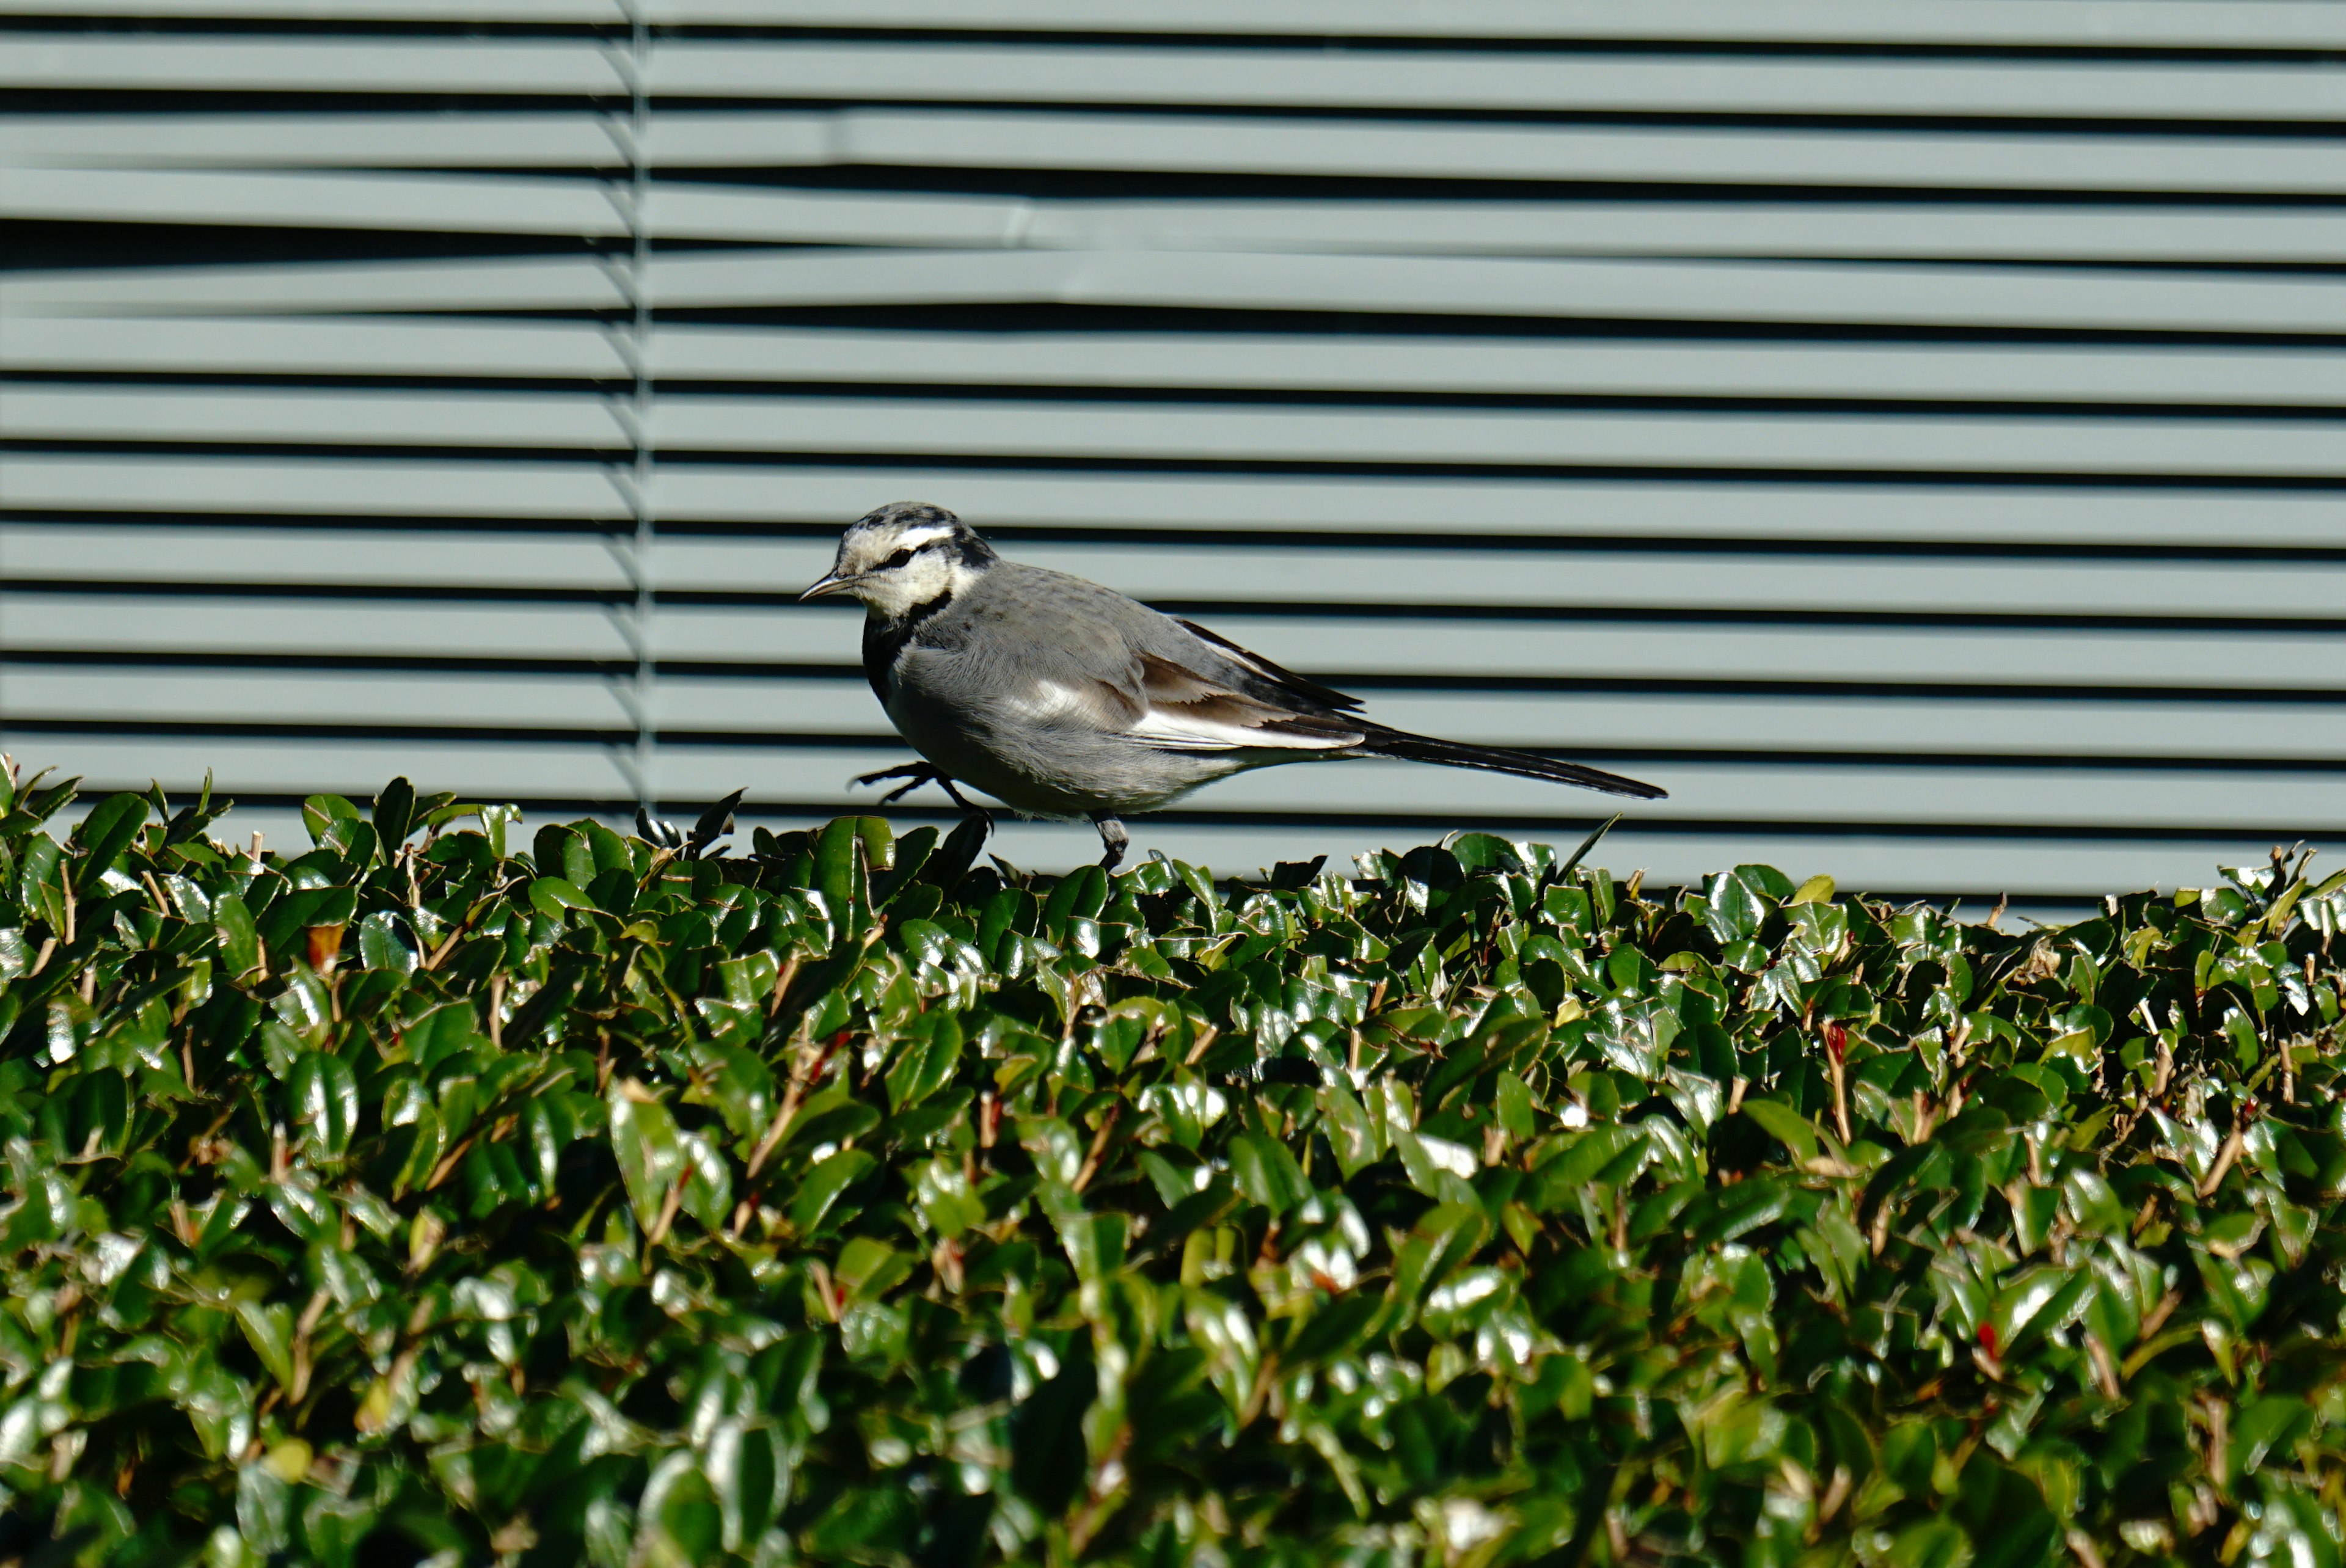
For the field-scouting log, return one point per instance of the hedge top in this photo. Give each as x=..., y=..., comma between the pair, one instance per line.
x=416, y=1196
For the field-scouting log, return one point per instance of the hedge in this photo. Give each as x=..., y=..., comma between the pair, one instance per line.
x=436, y=1196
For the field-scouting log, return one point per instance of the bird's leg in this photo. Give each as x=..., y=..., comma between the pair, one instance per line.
x=919, y=773
x=1114, y=840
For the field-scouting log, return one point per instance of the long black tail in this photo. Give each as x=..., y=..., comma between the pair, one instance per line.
x=1384, y=742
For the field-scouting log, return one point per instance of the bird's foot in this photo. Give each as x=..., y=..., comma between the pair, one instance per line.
x=916, y=774
x=1114, y=842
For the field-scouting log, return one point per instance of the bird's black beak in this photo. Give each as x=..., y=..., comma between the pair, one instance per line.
x=828, y=584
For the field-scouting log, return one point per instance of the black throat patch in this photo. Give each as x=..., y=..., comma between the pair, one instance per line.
x=885, y=640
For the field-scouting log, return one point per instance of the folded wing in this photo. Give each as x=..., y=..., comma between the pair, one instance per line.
x=1225, y=698
x=1184, y=709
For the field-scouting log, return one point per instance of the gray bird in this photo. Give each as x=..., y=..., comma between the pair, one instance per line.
x=1063, y=699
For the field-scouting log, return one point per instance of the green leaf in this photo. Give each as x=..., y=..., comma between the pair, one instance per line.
x=925, y=1061
x=240, y=940
x=379, y=946
x=2268, y=1427
x=268, y=1329
x=320, y=812
x=1786, y=1126
x=650, y=1154
x=552, y=895
x=1267, y=1172
x=324, y=1097
x=394, y=817
x=823, y=1185
x=108, y=830
x=1817, y=889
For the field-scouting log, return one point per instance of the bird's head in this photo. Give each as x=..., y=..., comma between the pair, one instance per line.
x=903, y=556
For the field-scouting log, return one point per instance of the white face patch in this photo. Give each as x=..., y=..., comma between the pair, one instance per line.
x=926, y=534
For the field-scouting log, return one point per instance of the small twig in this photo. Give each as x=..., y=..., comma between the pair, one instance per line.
x=2105, y=1373
x=1735, y=1094
x=1205, y=1040
x=2160, y=1313
x=1836, y=1493
x=2233, y=1142
x=1836, y=1039
x=497, y=1011
x=783, y=978
x=316, y=1309
x=801, y=1074
x=447, y=943
x=669, y=1207
x=440, y=1172
x=1100, y=1147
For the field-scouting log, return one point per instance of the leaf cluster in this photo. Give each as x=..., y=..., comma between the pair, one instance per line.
x=430, y=1196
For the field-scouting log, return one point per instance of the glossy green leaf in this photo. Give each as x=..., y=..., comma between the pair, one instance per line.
x=104, y=835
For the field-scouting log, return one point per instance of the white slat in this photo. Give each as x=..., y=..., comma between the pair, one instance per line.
x=1279, y=145
x=690, y=209
x=826, y=497
x=343, y=345
x=1809, y=293
x=437, y=202
x=114, y=623
x=1495, y=436
x=531, y=283
x=1665, y=577
x=219, y=414
x=603, y=12
x=455, y=139
x=42, y=481
x=1723, y=291
x=1364, y=363
x=38, y=691
x=1199, y=361
x=2157, y=24
x=232, y=556
x=133, y=62
x=906, y=71
x=831, y=494
x=1182, y=432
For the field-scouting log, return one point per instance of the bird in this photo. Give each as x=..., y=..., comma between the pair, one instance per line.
x=1063, y=699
